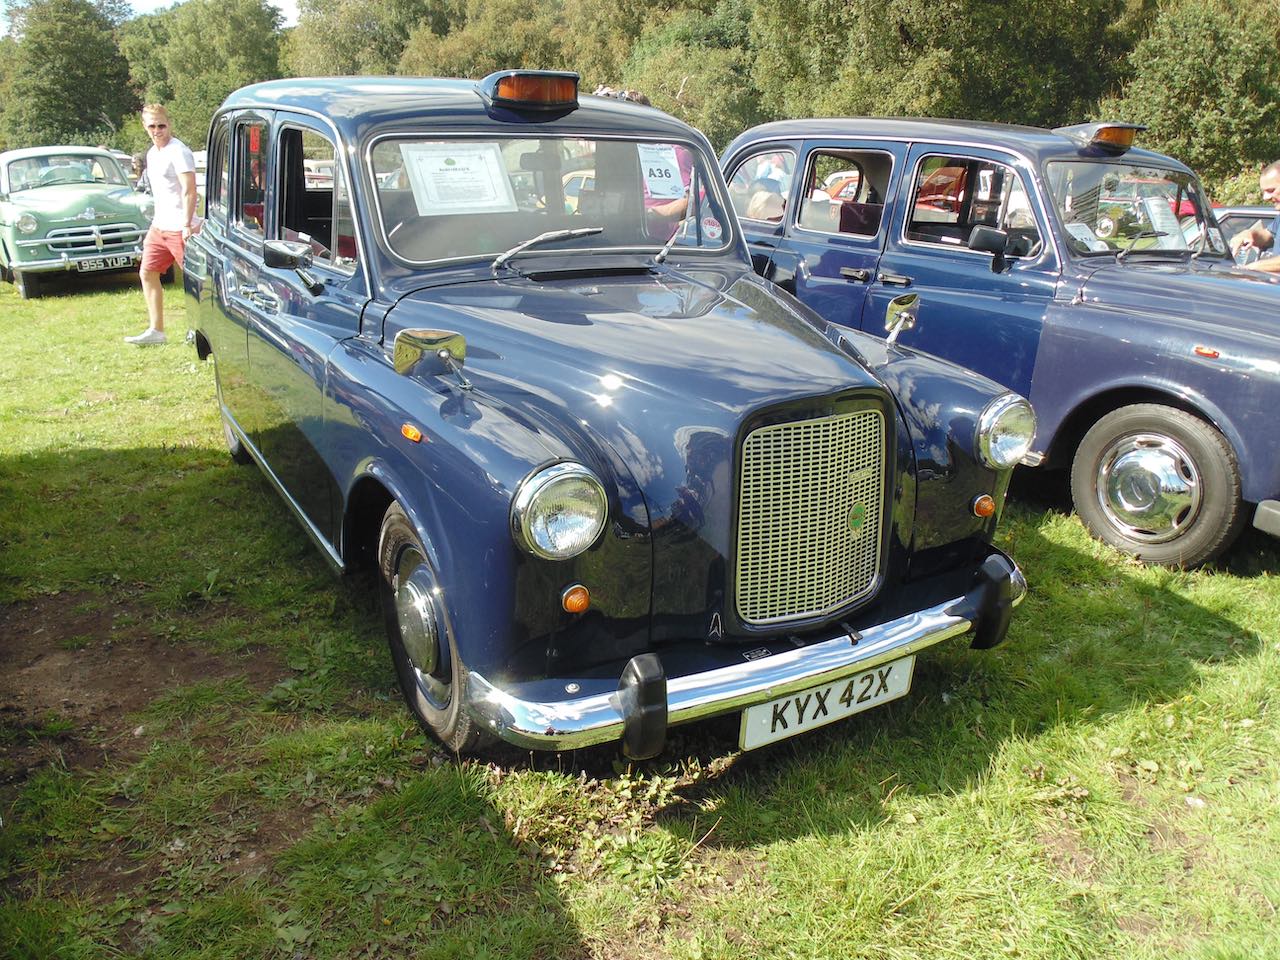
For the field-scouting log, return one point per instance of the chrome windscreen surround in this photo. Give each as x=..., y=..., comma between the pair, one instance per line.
x=810, y=516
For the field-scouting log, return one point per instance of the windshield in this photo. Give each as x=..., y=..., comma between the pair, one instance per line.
x=466, y=198
x=53, y=168
x=1105, y=207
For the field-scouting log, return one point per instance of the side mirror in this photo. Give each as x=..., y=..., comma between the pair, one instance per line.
x=430, y=352
x=992, y=241
x=900, y=314
x=292, y=255
x=287, y=254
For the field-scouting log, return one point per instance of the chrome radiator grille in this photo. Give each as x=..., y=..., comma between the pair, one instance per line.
x=809, y=516
x=108, y=238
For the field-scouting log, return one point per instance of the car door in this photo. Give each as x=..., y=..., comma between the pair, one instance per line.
x=832, y=242
x=760, y=186
x=300, y=315
x=974, y=309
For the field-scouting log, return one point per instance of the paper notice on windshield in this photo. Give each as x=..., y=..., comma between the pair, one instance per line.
x=1160, y=214
x=453, y=178
x=661, y=170
x=1086, y=236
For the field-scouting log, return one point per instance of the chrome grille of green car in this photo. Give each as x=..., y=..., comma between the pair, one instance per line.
x=104, y=238
x=810, y=510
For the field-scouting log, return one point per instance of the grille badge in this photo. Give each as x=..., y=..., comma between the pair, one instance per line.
x=857, y=518
x=88, y=214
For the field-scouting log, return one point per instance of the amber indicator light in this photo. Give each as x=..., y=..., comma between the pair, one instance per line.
x=984, y=506
x=540, y=90
x=1121, y=137
x=411, y=433
x=576, y=599
x=1209, y=352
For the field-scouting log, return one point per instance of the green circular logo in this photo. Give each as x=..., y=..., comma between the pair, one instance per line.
x=857, y=518
x=450, y=162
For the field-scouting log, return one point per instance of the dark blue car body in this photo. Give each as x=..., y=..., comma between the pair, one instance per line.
x=648, y=375
x=1082, y=336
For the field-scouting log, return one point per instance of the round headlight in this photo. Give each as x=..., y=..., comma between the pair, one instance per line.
x=558, y=511
x=1005, y=431
x=27, y=223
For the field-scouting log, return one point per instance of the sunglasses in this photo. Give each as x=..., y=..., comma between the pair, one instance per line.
x=157, y=126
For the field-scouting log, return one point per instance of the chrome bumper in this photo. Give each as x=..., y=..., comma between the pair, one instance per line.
x=68, y=261
x=582, y=722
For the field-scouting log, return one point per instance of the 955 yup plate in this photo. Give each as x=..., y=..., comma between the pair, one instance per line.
x=113, y=262
x=816, y=707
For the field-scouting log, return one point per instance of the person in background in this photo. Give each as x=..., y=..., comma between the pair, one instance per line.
x=1263, y=238
x=171, y=172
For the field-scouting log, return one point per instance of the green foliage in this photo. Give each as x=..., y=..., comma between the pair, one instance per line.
x=67, y=78
x=342, y=37
x=1216, y=113
x=496, y=35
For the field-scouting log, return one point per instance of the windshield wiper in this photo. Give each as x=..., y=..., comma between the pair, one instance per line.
x=1141, y=235
x=548, y=237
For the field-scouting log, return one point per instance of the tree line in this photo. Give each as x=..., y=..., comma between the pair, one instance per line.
x=1197, y=72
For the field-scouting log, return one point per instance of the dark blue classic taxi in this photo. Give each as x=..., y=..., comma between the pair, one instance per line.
x=1081, y=271
x=611, y=480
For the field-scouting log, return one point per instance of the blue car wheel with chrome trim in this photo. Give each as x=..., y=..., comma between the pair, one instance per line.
x=1159, y=484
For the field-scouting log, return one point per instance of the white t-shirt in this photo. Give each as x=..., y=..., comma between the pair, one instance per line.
x=163, y=166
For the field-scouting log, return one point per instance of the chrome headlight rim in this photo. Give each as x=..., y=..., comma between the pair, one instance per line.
x=992, y=414
x=28, y=224
x=535, y=485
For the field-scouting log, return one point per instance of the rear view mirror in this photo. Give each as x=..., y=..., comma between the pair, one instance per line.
x=287, y=254
x=429, y=352
x=900, y=314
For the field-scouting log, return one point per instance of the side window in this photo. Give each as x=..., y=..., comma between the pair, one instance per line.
x=760, y=186
x=251, y=174
x=952, y=195
x=218, y=181
x=844, y=192
x=314, y=204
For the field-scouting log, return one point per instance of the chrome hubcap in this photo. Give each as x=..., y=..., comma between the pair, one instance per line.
x=1149, y=487
x=416, y=597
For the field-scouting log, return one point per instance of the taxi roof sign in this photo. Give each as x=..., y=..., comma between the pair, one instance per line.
x=1111, y=136
x=531, y=89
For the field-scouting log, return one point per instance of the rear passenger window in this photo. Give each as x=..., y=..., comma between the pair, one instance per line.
x=760, y=186
x=314, y=205
x=844, y=192
x=218, y=179
x=952, y=195
x=251, y=139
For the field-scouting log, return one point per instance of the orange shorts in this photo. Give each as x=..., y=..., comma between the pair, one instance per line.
x=161, y=249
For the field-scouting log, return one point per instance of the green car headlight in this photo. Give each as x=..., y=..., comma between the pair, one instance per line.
x=28, y=224
x=558, y=511
x=1006, y=428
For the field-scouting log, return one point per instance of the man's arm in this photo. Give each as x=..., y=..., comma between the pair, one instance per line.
x=1257, y=236
x=188, y=184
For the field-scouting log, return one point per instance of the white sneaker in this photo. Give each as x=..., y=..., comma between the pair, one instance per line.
x=147, y=338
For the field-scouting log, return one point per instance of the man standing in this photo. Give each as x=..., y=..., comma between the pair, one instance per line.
x=1258, y=237
x=171, y=173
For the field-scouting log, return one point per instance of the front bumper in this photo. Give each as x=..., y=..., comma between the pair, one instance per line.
x=1267, y=517
x=68, y=261
x=628, y=713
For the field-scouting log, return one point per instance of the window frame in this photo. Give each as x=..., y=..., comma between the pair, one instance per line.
x=305, y=125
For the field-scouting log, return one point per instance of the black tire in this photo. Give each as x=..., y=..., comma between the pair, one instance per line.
x=28, y=285
x=1159, y=484
x=433, y=690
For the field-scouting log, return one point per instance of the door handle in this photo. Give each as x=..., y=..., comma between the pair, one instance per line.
x=895, y=280
x=259, y=298
x=855, y=273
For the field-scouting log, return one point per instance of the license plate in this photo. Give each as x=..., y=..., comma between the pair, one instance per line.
x=104, y=263
x=816, y=707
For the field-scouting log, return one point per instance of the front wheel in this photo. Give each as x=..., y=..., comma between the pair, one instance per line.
x=1159, y=484
x=27, y=284
x=431, y=674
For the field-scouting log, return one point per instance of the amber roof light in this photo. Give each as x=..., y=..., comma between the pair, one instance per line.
x=531, y=89
x=1112, y=137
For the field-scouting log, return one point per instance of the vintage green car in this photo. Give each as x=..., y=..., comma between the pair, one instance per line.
x=67, y=209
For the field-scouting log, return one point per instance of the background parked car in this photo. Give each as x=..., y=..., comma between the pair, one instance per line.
x=67, y=209
x=1150, y=360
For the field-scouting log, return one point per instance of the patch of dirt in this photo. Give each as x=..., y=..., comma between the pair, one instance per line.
x=1068, y=853
x=76, y=666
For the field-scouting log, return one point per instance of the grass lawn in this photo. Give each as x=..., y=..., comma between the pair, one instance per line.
x=203, y=754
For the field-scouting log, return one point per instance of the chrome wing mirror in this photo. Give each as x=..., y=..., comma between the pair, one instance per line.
x=900, y=314
x=430, y=353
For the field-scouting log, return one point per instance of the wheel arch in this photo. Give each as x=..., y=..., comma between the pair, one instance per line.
x=1087, y=412
x=204, y=350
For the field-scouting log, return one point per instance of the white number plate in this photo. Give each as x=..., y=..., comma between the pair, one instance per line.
x=816, y=707
x=105, y=263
